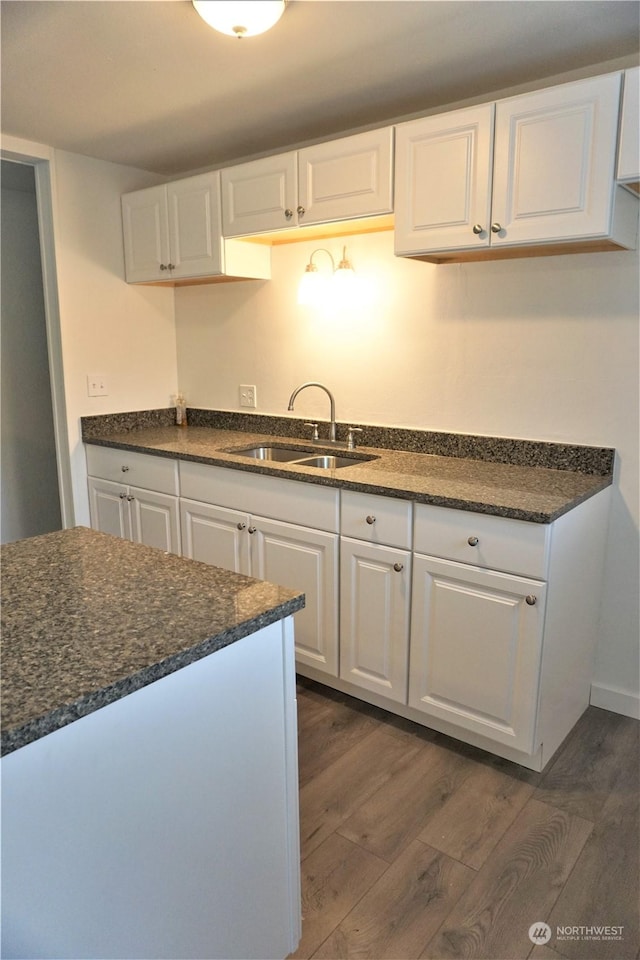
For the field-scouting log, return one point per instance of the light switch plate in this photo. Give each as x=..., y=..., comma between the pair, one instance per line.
x=97, y=385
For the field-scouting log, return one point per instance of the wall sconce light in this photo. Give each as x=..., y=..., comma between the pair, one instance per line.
x=315, y=288
x=245, y=18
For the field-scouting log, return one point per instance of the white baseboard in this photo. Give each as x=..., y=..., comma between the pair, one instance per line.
x=618, y=701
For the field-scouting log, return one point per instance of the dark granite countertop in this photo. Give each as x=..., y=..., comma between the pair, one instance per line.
x=530, y=487
x=88, y=618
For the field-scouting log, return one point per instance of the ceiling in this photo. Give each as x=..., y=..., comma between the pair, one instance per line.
x=148, y=83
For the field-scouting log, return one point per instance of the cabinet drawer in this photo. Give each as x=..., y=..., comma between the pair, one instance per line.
x=136, y=469
x=497, y=543
x=376, y=519
x=304, y=503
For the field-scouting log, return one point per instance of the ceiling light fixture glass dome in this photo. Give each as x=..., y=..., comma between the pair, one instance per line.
x=245, y=18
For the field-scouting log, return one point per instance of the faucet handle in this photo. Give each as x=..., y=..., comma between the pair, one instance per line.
x=351, y=440
x=314, y=427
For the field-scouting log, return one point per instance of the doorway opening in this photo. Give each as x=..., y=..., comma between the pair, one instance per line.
x=35, y=490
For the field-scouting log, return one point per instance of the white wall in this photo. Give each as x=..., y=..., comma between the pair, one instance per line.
x=542, y=348
x=125, y=332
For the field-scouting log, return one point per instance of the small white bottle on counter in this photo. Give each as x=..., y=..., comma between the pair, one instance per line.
x=181, y=410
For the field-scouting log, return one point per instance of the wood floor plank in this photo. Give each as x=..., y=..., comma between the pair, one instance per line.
x=583, y=773
x=472, y=821
x=394, y=816
x=332, y=796
x=334, y=878
x=604, y=888
x=402, y=910
x=517, y=887
x=327, y=734
x=545, y=953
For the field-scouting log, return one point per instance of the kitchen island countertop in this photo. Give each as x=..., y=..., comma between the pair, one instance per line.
x=88, y=618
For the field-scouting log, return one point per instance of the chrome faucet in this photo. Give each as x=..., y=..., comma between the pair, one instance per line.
x=313, y=383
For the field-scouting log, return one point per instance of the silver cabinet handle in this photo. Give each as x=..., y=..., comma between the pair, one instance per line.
x=473, y=541
x=496, y=227
x=371, y=520
x=531, y=599
x=477, y=228
x=125, y=469
x=398, y=567
x=241, y=526
x=300, y=211
x=288, y=213
x=252, y=529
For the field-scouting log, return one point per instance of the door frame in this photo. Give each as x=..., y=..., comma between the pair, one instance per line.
x=41, y=159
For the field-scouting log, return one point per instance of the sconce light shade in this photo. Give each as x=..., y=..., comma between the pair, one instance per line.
x=245, y=18
x=338, y=289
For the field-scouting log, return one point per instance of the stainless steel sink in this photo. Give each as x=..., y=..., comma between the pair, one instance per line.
x=301, y=457
x=279, y=454
x=331, y=462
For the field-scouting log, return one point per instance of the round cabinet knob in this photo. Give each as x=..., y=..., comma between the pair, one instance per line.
x=252, y=529
x=123, y=496
x=300, y=211
x=130, y=498
x=125, y=469
x=477, y=228
x=496, y=227
x=163, y=266
x=531, y=600
x=288, y=213
x=398, y=567
x=171, y=266
x=241, y=526
x=473, y=541
x=371, y=520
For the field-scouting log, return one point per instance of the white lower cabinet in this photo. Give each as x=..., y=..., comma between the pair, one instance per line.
x=271, y=544
x=145, y=512
x=375, y=590
x=135, y=514
x=476, y=646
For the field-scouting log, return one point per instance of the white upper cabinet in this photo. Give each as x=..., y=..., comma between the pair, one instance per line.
x=173, y=233
x=629, y=150
x=443, y=180
x=546, y=160
x=339, y=180
x=260, y=195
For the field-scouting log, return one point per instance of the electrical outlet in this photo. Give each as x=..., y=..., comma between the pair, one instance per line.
x=248, y=395
x=97, y=385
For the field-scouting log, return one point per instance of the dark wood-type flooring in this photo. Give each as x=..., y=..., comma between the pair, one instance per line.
x=416, y=845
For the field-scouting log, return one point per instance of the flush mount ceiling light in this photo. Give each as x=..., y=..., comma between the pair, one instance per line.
x=315, y=287
x=240, y=19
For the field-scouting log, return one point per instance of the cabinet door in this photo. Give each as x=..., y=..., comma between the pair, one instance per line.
x=109, y=507
x=145, y=227
x=154, y=519
x=443, y=181
x=476, y=649
x=215, y=535
x=260, y=196
x=554, y=162
x=195, y=226
x=374, y=617
x=304, y=560
x=629, y=150
x=346, y=178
